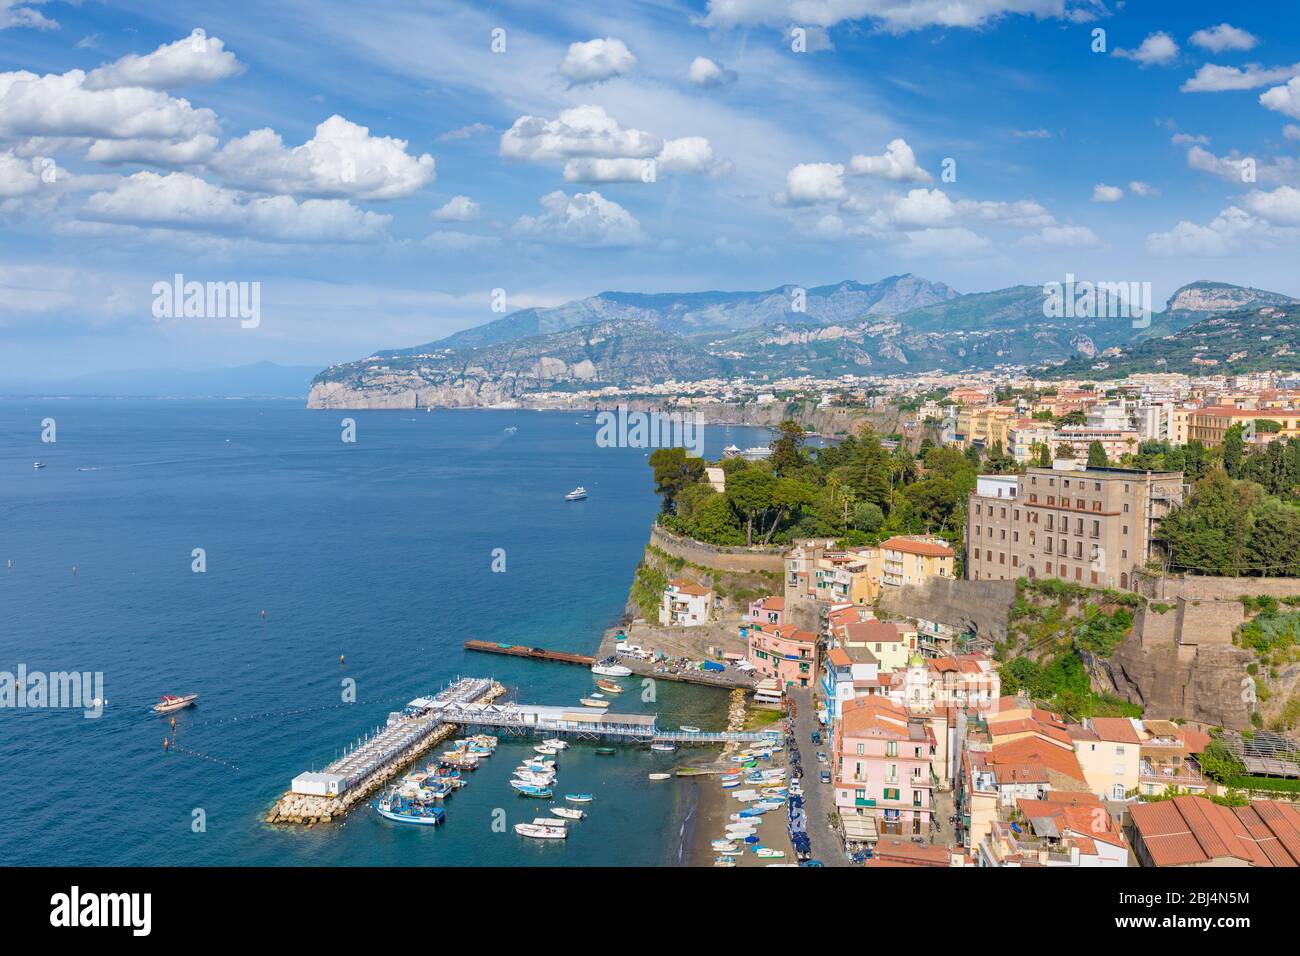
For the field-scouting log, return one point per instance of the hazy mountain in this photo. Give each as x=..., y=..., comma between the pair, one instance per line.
x=709, y=313
x=1204, y=297
x=259, y=380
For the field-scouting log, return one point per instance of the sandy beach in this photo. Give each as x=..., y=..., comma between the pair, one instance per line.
x=712, y=814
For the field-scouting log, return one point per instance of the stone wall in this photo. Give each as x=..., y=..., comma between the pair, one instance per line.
x=967, y=605
x=1196, y=588
x=1208, y=622
x=740, y=560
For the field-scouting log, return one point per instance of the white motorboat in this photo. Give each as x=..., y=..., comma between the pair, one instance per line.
x=568, y=813
x=577, y=494
x=610, y=668
x=539, y=832
x=557, y=743
x=545, y=750
x=660, y=776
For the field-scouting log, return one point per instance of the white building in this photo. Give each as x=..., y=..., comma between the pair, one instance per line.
x=685, y=604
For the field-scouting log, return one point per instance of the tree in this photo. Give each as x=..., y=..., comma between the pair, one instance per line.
x=1218, y=762
x=673, y=471
x=1044, y=455
x=1064, y=450
x=750, y=493
x=1097, y=455
x=1233, y=449
x=786, y=456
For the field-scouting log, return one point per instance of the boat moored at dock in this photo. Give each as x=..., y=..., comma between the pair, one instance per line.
x=400, y=810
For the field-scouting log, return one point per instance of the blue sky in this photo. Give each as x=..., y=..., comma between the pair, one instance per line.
x=379, y=169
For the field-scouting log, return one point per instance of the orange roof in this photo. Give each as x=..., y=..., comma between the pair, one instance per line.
x=1031, y=751
x=925, y=548
x=1085, y=817
x=773, y=604
x=1192, y=830
x=838, y=658
x=689, y=587
x=871, y=632
x=1022, y=725
x=864, y=715
x=1115, y=730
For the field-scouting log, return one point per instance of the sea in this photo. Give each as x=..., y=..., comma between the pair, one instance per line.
x=373, y=560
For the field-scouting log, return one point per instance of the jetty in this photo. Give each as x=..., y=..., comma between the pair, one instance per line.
x=535, y=653
x=320, y=796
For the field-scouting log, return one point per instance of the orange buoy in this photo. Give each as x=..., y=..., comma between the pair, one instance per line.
x=340, y=658
x=166, y=743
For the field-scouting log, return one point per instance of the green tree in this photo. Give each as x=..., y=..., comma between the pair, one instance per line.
x=750, y=493
x=1097, y=455
x=1233, y=449
x=1218, y=762
x=786, y=456
x=673, y=471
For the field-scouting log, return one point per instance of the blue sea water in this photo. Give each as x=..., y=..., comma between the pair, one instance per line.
x=380, y=551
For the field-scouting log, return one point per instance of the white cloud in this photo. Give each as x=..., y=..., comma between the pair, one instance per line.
x=1031, y=133
x=1158, y=48
x=184, y=202
x=1291, y=131
x=810, y=183
x=341, y=160
x=1284, y=99
x=897, y=164
x=457, y=209
x=923, y=207
x=158, y=152
x=1224, y=37
x=596, y=61
x=597, y=170
x=583, y=219
x=1185, y=139
x=18, y=176
x=1231, y=168
x=707, y=74
x=19, y=13
x=1139, y=188
x=1103, y=193
x=1281, y=206
x=689, y=154
x=1211, y=78
x=1234, y=229
x=1062, y=237
x=194, y=59
x=465, y=132
x=577, y=132
x=894, y=15
x=59, y=105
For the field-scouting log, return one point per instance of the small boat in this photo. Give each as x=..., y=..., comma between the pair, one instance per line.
x=594, y=702
x=400, y=810
x=534, y=779
x=688, y=729
x=545, y=750
x=734, y=851
x=532, y=790
x=768, y=853
x=38, y=465
x=606, y=751
x=541, y=832
x=611, y=668
x=577, y=494
x=557, y=743
x=579, y=797
x=660, y=776
x=730, y=784
x=724, y=861
x=608, y=686
x=170, y=702
x=663, y=748
x=569, y=813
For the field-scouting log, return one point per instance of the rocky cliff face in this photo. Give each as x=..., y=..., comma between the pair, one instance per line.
x=1205, y=296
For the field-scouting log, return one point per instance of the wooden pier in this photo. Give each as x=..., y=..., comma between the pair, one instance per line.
x=534, y=653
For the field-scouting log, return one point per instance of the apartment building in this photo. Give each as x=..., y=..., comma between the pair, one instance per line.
x=1093, y=526
x=914, y=560
x=1164, y=421
x=882, y=766
x=1116, y=441
x=1209, y=425
x=685, y=604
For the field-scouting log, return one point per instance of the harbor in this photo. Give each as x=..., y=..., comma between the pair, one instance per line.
x=320, y=796
x=532, y=653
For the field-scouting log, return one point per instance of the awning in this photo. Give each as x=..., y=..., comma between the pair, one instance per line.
x=859, y=828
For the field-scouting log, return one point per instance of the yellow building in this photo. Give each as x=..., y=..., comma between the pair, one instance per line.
x=1109, y=750
x=914, y=560
x=1209, y=425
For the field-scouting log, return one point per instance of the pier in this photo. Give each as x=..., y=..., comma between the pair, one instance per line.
x=319, y=796
x=525, y=720
x=534, y=653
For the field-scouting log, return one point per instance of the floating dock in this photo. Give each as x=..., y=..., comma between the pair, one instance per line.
x=318, y=797
x=535, y=653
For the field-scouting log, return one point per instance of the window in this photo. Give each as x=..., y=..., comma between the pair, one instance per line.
x=861, y=751
x=1117, y=792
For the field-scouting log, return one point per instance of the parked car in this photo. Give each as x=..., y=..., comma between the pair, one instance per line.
x=816, y=736
x=822, y=758
x=826, y=776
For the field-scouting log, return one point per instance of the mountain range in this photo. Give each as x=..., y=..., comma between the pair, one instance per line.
x=898, y=324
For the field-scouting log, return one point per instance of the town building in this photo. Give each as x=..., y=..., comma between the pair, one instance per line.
x=1092, y=526
x=914, y=560
x=783, y=652
x=1062, y=829
x=882, y=767
x=766, y=610
x=685, y=604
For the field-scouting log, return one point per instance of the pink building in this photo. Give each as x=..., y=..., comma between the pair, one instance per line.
x=766, y=610
x=882, y=768
x=784, y=652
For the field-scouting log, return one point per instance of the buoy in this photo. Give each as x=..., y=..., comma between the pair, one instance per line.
x=166, y=743
x=74, y=570
x=263, y=613
x=340, y=658
x=173, y=723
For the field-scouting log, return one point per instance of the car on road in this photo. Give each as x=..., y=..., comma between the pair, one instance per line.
x=826, y=776
x=822, y=758
x=816, y=736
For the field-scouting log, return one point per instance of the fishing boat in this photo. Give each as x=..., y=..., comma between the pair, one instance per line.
x=400, y=810
x=534, y=779
x=38, y=465
x=730, y=784
x=579, y=797
x=609, y=667
x=724, y=861
x=569, y=813
x=169, y=703
x=460, y=759
x=608, y=686
x=606, y=751
x=545, y=750
x=660, y=776
x=577, y=494
x=663, y=748
x=541, y=832
x=557, y=743
x=688, y=729
x=768, y=853
x=734, y=851
x=594, y=702
x=531, y=790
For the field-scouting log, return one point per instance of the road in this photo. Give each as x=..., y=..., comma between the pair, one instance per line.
x=818, y=797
